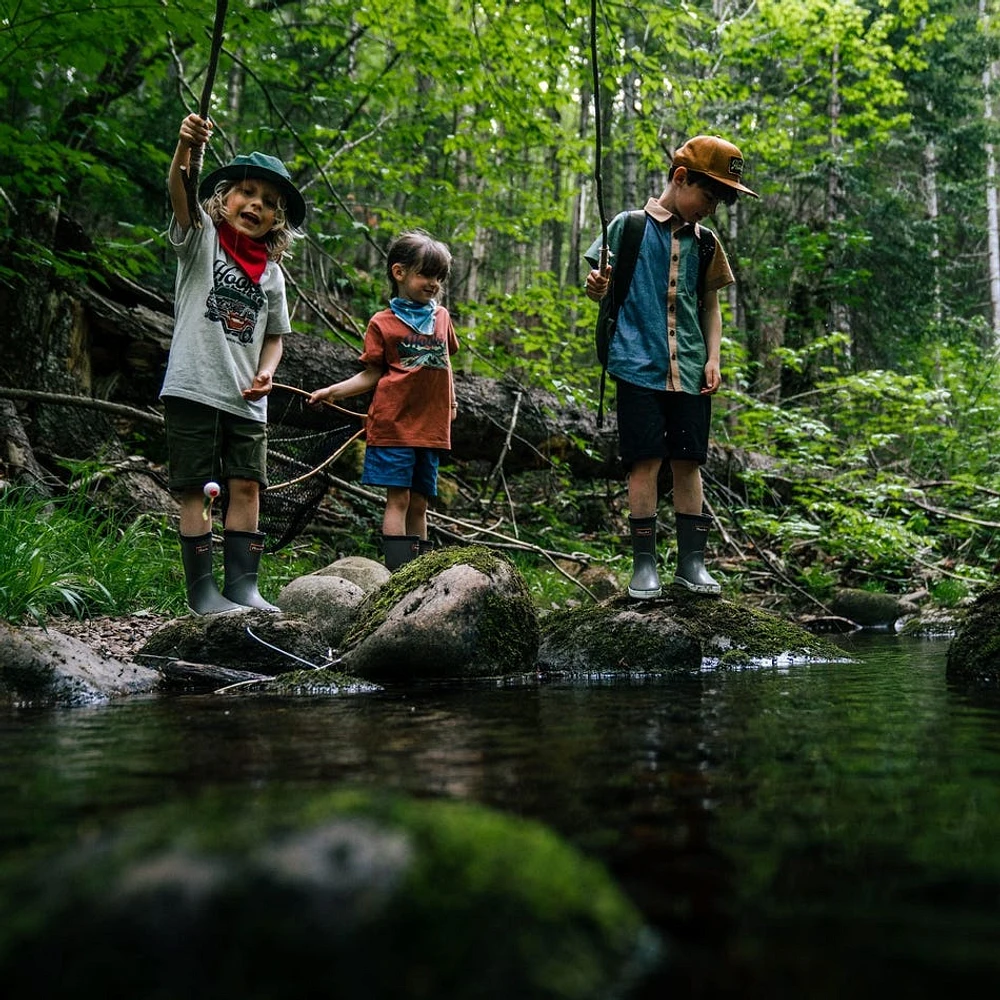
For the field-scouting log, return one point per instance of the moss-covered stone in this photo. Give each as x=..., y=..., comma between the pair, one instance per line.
x=347, y=894
x=455, y=612
x=974, y=653
x=677, y=632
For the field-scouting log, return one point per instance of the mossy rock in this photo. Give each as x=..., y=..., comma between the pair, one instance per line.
x=454, y=612
x=346, y=894
x=974, y=653
x=677, y=632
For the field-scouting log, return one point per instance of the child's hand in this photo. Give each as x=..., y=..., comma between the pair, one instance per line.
x=322, y=395
x=195, y=130
x=713, y=378
x=597, y=284
x=260, y=388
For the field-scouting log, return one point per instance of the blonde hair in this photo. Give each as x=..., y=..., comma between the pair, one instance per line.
x=279, y=237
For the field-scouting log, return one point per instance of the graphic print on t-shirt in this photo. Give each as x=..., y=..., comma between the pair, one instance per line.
x=235, y=301
x=423, y=352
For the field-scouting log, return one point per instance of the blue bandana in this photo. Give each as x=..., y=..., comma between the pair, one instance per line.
x=413, y=314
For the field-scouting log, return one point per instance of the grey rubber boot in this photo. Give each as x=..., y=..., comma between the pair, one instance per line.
x=203, y=595
x=692, y=534
x=241, y=552
x=400, y=549
x=645, y=584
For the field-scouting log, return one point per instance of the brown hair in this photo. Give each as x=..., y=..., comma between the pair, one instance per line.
x=418, y=251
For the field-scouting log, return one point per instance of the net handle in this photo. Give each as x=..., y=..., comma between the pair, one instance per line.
x=325, y=402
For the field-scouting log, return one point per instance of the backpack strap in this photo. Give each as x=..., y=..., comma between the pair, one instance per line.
x=706, y=254
x=621, y=280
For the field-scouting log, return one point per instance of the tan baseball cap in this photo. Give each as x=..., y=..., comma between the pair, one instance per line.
x=712, y=155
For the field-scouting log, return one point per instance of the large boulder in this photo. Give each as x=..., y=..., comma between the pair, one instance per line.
x=344, y=894
x=454, y=612
x=677, y=632
x=47, y=668
x=974, y=653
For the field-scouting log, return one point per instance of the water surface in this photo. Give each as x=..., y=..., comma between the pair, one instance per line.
x=830, y=830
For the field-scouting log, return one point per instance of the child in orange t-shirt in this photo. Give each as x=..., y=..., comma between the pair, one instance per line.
x=407, y=362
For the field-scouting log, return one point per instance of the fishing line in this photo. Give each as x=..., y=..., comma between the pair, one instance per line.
x=598, y=154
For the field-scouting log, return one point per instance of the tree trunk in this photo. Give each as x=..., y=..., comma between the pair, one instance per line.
x=993, y=240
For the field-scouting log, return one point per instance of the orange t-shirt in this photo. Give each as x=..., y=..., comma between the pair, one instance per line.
x=411, y=407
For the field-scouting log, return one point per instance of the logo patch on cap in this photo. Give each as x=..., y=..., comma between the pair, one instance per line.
x=736, y=165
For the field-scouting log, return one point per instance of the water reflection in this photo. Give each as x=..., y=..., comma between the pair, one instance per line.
x=802, y=832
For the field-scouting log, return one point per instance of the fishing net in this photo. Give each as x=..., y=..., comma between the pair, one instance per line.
x=303, y=442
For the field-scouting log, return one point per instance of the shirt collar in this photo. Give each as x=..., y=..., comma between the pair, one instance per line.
x=655, y=210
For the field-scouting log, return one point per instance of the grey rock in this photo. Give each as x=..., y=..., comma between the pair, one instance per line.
x=47, y=668
x=365, y=573
x=455, y=612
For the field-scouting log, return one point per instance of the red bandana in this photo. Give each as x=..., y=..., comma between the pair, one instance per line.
x=250, y=254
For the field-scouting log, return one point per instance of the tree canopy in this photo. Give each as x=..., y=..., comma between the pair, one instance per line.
x=860, y=331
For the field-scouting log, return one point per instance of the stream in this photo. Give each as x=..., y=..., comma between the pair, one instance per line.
x=825, y=830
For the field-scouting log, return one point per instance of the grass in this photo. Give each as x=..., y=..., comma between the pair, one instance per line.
x=64, y=555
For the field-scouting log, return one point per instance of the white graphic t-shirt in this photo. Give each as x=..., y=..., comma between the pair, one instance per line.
x=220, y=320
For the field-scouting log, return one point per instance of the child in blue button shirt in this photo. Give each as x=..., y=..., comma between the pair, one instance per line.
x=664, y=356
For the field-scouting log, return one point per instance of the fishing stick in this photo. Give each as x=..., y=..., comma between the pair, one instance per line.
x=597, y=137
x=198, y=152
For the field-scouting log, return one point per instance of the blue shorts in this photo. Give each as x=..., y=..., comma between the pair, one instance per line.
x=659, y=424
x=408, y=468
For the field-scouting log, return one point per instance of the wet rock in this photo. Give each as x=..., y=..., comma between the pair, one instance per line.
x=344, y=894
x=47, y=668
x=677, y=632
x=870, y=609
x=974, y=653
x=455, y=612
x=259, y=642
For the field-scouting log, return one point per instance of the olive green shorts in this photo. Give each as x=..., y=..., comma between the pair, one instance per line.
x=204, y=444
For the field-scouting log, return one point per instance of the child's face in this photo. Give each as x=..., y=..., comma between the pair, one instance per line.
x=250, y=207
x=693, y=202
x=413, y=286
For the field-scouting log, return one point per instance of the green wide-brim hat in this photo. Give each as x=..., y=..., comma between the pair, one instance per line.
x=263, y=167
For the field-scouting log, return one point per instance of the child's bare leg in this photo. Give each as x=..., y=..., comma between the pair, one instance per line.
x=397, y=503
x=688, y=494
x=642, y=493
x=244, y=505
x=416, y=515
x=193, y=521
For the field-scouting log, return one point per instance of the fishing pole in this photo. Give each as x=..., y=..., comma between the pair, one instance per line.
x=198, y=152
x=597, y=137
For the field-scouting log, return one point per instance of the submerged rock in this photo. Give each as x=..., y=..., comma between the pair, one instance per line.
x=679, y=632
x=346, y=894
x=455, y=612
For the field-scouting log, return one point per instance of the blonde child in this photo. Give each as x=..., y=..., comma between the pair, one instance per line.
x=230, y=315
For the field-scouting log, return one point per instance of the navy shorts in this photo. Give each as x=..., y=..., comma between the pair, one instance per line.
x=664, y=425
x=204, y=443
x=407, y=468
